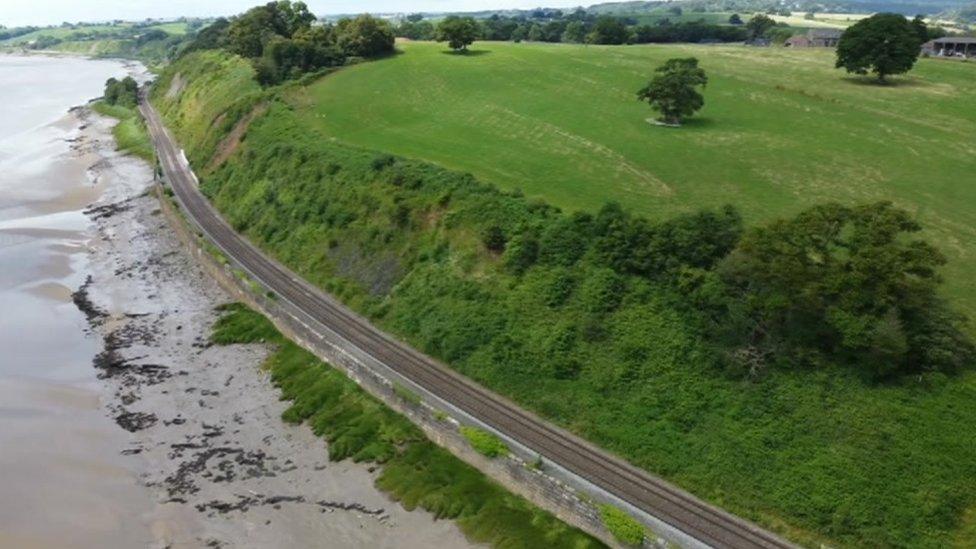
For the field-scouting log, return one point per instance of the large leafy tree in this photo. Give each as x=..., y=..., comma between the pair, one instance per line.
x=609, y=30
x=458, y=32
x=575, y=32
x=883, y=44
x=850, y=282
x=250, y=32
x=758, y=26
x=365, y=36
x=674, y=89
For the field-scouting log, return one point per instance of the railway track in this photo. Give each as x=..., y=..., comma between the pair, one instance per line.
x=697, y=519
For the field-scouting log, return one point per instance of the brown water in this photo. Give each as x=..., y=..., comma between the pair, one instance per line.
x=63, y=482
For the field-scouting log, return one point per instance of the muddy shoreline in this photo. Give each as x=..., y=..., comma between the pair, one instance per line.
x=205, y=425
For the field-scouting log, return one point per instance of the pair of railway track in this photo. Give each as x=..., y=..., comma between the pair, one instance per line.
x=698, y=520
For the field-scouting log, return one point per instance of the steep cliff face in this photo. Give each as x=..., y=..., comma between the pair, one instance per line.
x=202, y=97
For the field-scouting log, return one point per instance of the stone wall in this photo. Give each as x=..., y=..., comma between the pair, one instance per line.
x=570, y=497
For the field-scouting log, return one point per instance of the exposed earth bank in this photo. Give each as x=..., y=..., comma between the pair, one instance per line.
x=205, y=420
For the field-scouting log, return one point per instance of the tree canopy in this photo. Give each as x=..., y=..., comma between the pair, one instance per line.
x=847, y=281
x=249, y=32
x=458, y=32
x=282, y=43
x=123, y=92
x=609, y=30
x=674, y=89
x=365, y=36
x=758, y=26
x=883, y=44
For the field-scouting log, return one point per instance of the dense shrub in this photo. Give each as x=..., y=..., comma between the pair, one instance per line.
x=364, y=36
x=849, y=282
x=123, y=92
x=622, y=526
x=484, y=443
x=282, y=43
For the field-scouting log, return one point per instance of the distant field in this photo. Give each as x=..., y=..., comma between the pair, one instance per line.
x=781, y=130
x=177, y=28
x=67, y=34
x=820, y=20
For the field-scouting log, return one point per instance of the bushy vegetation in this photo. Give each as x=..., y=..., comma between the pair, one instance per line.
x=124, y=93
x=485, y=443
x=602, y=321
x=855, y=283
x=282, y=43
x=415, y=471
x=130, y=133
x=622, y=526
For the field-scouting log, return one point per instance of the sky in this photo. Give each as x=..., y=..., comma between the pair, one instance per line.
x=51, y=12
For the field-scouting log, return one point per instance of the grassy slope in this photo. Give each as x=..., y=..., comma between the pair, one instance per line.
x=130, y=133
x=415, y=471
x=818, y=455
x=781, y=130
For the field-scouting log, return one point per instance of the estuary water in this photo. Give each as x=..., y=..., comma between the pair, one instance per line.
x=63, y=480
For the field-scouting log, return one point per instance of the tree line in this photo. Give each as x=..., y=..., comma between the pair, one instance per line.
x=848, y=284
x=284, y=40
x=576, y=27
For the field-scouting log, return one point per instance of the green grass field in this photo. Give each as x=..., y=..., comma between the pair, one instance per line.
x=781, y=130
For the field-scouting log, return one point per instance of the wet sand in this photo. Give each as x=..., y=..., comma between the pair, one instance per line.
x=120, y=426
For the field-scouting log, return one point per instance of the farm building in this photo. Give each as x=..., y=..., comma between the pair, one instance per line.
x=951, y=46
x=815, y=38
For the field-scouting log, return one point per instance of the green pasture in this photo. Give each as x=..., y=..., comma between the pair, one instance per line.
x=781, y=130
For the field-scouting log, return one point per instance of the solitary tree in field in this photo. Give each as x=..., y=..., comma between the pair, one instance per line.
x=735, y=19
x=883, y=44
x=458, y=32
x=674, y=90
